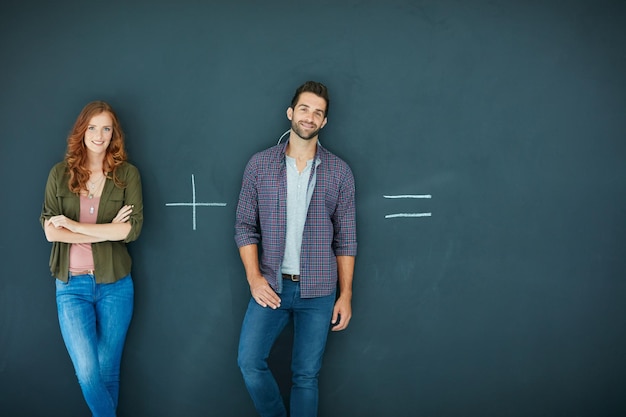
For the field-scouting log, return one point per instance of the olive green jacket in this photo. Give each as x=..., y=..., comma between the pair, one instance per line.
x=111, y=259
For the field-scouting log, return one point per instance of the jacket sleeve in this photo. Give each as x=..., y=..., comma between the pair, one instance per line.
x=51, y=202
x=133, y=196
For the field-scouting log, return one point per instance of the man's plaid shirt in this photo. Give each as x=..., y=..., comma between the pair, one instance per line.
x=329, y=230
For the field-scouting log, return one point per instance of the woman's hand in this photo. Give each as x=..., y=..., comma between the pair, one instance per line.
x=123, y=215
x=61, y=221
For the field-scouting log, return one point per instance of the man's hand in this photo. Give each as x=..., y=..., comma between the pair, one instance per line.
x=342, y=313
x=263, y=294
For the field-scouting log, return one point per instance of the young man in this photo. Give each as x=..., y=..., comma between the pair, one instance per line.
x=296, y=202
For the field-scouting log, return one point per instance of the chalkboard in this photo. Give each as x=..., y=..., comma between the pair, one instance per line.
x=487, y=140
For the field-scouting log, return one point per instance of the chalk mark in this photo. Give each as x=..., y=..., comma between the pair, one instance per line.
x=193, y=203
x=282, y=136
x=393, y=216
x=407, y=215
x=409, y=196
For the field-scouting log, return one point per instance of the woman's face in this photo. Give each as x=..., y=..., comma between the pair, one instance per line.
x=99, y=133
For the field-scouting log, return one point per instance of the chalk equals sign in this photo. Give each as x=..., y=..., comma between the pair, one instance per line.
x=407, y=196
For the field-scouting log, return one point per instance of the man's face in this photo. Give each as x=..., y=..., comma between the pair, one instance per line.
x=308, y=116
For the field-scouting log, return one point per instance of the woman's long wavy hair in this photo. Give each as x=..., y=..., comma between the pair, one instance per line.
x=76, y=155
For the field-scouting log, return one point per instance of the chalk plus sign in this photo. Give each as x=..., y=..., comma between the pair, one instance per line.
x=193, y=203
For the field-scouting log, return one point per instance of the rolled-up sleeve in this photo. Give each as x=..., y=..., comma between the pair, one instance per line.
x=247, y=215
x=133, y=196
x=50, y=203
x=344, y=217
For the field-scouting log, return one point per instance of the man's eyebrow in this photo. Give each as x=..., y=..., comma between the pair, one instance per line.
x=308, y=107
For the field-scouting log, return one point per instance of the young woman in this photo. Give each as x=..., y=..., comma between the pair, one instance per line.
x=92, y=208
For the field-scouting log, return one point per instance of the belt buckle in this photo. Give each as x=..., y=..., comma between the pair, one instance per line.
x=292, y=277
x=85, y=272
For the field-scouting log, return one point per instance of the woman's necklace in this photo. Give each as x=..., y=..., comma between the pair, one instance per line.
x=93, y=187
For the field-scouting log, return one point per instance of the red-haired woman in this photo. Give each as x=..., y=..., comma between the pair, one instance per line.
x=92, y=208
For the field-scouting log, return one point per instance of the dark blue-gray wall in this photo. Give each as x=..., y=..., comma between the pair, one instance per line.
x=508, y=300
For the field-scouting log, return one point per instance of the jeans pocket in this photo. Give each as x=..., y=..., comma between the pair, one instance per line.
x=60, y=285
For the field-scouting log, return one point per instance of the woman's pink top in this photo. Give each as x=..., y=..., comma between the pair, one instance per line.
x=81, y=257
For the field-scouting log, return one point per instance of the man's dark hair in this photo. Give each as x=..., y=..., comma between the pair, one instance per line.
x=314, y=87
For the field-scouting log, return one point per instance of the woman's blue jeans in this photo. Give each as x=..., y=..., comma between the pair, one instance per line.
x=94, y=319
x=261, y=327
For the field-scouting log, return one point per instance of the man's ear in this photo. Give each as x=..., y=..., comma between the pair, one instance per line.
x=324, y=122
x=289, y=113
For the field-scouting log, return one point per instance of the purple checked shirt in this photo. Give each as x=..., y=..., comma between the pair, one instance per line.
x=329, y=230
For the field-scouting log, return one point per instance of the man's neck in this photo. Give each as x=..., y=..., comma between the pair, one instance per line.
x=301, y=149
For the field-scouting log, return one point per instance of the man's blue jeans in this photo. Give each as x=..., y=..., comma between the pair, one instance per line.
x=94, y=319
x=261, y=327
